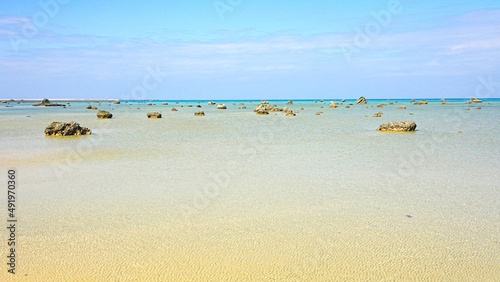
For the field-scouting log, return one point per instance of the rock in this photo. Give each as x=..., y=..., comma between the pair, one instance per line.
x=301, y=109
x=290, y=114
x=164, y=103
x=116, y=102
x=190, y=106
x=174, y=109
x=343, y=101
x=261, y=111
x=211, y=103
x=421, y=102
x=381, y=105
x=264, y=102
x=199, y=114
x=412, y=101
x=398, y=126
x=154, y=115
x=45, y=102
x=150, y=104
x=361, y=100
x=460, y=131
x=90, y=107
x=221, y=107
x=321, y=101
x=267, y=108
x=198, y=106
x=57, y=128
x=332, y=104
x=474, y=100
x=478, y=108
x=379, y=114
x=347, y=107
x=104, y=114
x=290, y=102
x=243, y=107
x=319, y=113
x=402, y=108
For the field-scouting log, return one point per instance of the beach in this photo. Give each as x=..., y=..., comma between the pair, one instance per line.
x=236, y=196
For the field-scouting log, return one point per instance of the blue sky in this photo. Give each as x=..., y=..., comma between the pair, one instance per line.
x=246, y=49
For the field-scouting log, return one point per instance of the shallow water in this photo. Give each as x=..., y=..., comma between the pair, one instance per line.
x=240, y=197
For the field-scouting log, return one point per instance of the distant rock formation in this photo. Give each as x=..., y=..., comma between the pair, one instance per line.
x=266, y=107
x=199, y=114
x=398, y=126
x=474, y=100
x=361, y=100
x=333, y=104
x=57, y=128
x=290, y=102
x=45, y=102
x=221, y=107
x=101, y=114
x=154, y=115
x=116, y=101
x=90, y=107
x=421, y=102
x=211, y=103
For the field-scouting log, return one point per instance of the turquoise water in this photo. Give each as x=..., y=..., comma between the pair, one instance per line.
x=247, y=197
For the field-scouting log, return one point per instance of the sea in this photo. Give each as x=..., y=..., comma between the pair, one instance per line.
x=235, y=196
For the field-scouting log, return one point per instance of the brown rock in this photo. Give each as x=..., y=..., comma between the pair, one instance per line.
x=361, y=100
x=101, y=114
x=72, y=128
x=199, y=114
x=154, y=115
x=398, y=126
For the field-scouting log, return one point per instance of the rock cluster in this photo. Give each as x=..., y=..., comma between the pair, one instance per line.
x=474, y=100
x=57, y=128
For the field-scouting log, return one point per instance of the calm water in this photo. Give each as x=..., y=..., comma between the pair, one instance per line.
x=239, y=197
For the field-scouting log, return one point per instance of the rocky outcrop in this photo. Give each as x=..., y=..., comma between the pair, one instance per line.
x=381, y=105
x=290, y=114
x=116, y=102
x=267, y=107
x=421, y=102
x=45, y=102
x=333, y=105
x=198, y=106
x=72, y=128
x=474, y=100
x=90, y=107
x=211, y=103
x=199, y=114
x=174, y=109
x=361, y=100
x=221, y=107
x=379, y=114
x=398, y=126
x=290, y=102
x=154, y=115
x=164, y=103
x=101, y=114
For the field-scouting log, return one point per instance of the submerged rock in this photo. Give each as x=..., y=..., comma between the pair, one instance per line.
x=398, y=126
x=379, y=114
x=421, y=102
x=164, y=103
x=57, y=128
x=104, y=114
x=154, y=115
x=318, y=113
x=45, y=102
x=90, y=107
x=174, y=109
x=361, y=100
x=290, y=102
x=199, y=114
x=402, y=108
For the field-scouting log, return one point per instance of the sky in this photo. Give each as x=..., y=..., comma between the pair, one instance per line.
x=248, y=49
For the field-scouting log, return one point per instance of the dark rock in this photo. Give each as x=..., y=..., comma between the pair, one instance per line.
x=174, y=109
x=45, y=102
x=90, y=107
x=66, y=129
x=199, y=114
x=361, y=100
x=117, y=102
x=398, y=126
